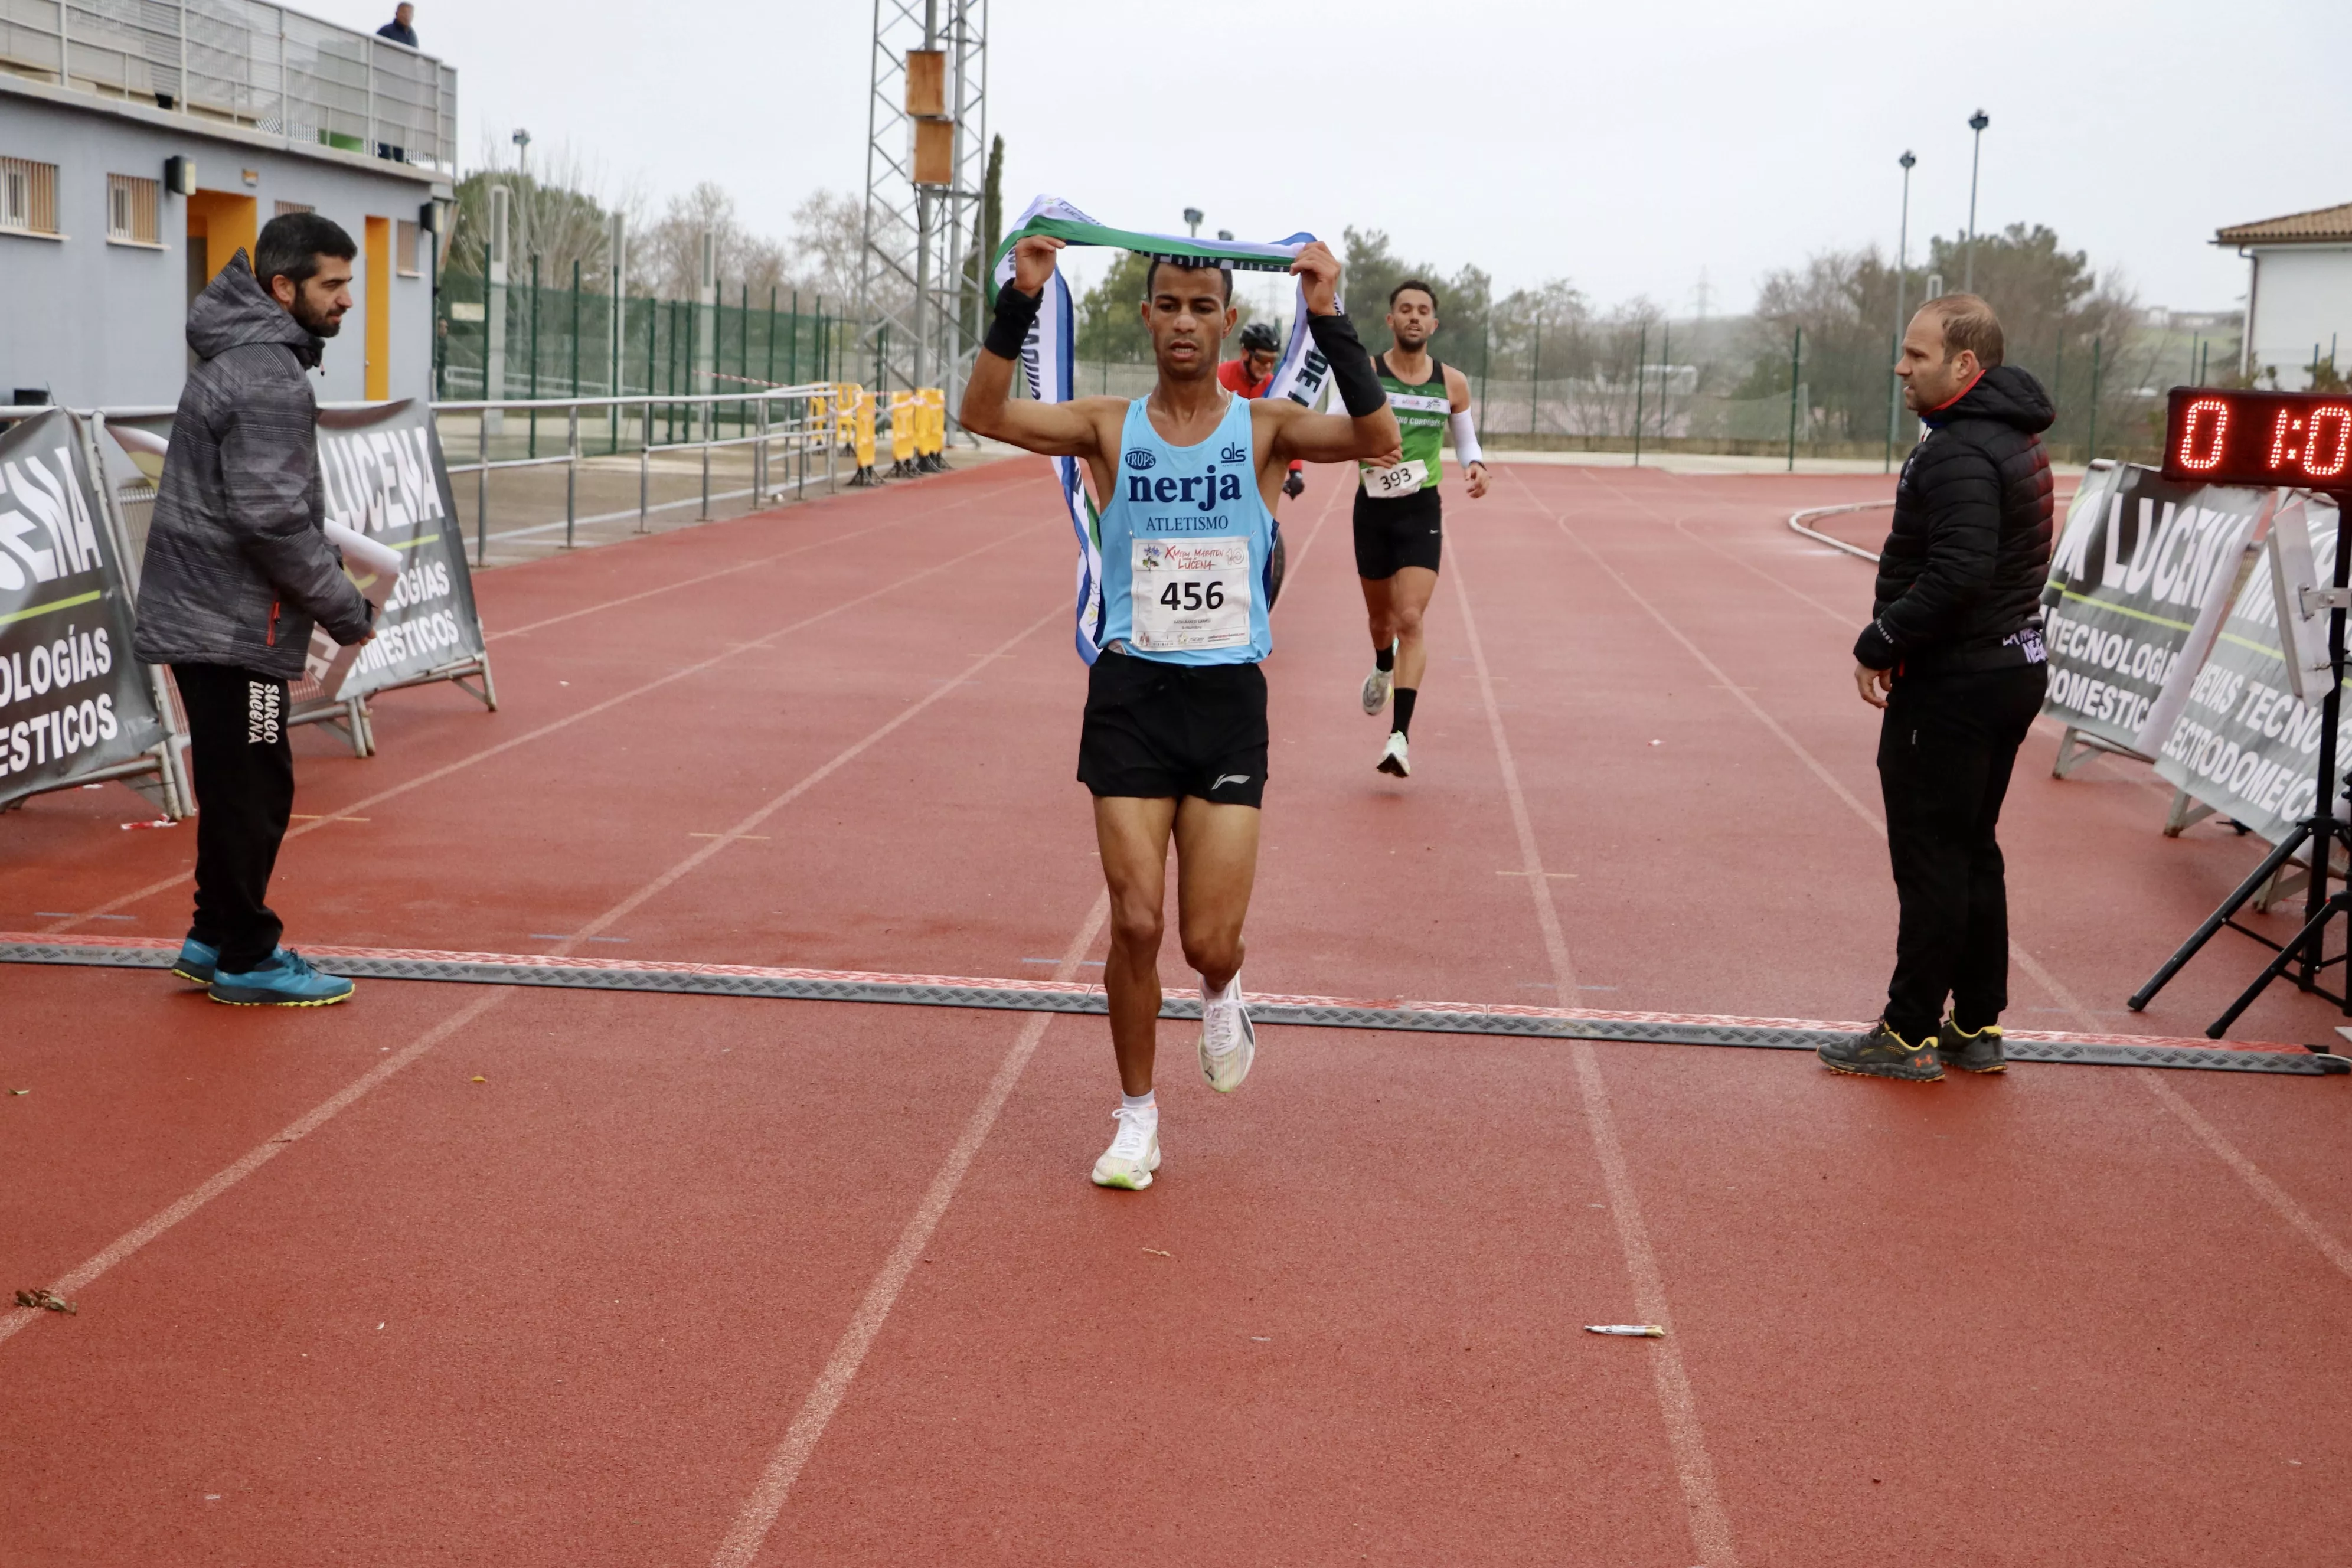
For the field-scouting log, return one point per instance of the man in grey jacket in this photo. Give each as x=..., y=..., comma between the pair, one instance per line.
x=237, y=568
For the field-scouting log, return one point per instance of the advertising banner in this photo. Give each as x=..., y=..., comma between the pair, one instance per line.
x=72, y=700
x=2244, y=745
x=386, y=479
x=2136, y=565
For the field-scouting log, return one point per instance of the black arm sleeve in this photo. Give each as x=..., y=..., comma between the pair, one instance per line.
x=1351, y=367
x=1015, y=312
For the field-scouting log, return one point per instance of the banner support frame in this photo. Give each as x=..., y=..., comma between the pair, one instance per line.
x=2308, y=948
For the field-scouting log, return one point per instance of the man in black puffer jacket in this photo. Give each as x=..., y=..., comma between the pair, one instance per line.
x=1953, y=653
x=237, y=567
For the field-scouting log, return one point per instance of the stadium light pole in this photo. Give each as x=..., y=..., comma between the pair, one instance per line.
x=1977, y=122
x=1192, y=222
x=1902, y=268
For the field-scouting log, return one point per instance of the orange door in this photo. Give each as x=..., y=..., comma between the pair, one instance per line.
x=220, y=224
x=378, y=306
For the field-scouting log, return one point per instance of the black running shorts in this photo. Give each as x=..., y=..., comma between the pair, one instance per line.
x=1159, y=730
x=1408, y=531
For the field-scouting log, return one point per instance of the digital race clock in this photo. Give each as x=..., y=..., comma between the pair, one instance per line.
x=2301, y=438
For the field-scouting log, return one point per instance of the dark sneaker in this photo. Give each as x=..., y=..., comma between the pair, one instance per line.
x=1882, y=1053
x=196, y=961
x=287, y=980
x=1979, y=1052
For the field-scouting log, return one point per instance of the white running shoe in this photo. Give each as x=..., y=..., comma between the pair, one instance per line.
x=1397, y=757
x=1376, y=690
x=1228, y=1040
x=1134, y=1154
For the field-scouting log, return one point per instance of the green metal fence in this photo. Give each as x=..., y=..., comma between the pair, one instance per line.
x=560, y=342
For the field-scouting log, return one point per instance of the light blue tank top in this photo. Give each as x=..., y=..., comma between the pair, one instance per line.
x=1186, y=546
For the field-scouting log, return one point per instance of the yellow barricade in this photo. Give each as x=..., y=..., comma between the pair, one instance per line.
x=864, y=429
x=845, y=395
x=931, y=425
x=903, y=415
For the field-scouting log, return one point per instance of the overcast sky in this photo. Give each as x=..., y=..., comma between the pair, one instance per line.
x=1627, y=148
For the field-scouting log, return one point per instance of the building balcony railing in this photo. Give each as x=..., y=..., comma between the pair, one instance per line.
x=246, y=63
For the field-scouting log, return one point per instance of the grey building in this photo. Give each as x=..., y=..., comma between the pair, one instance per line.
x=137, y=156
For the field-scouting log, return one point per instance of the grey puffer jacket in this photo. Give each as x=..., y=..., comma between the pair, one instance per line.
x=237, y=563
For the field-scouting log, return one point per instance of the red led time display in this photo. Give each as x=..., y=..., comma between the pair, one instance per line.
x=2259, y=437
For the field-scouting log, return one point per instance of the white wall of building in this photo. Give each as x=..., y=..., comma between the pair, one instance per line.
x=2301, y=297
x=104, y=323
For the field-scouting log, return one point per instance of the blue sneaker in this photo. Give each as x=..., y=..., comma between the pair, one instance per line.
x=196, y=961
x=286, y=981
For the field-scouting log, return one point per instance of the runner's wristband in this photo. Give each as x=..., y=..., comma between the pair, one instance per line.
x=1015, y=312
x=1351, y=367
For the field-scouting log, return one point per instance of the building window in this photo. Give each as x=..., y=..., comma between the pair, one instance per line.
x=28, y=196
x=285, y=208
x=131, y=208
x=403, y=250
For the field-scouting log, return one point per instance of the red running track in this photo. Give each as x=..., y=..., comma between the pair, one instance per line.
x=692, y=1279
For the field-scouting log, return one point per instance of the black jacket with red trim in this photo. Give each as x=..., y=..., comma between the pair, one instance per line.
x=1960, y=576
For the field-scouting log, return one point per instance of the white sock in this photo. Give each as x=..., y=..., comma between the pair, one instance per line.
x=1144, y=1102
x=1231, y=992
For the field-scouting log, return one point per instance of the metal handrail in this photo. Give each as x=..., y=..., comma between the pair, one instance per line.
x=625, y=400
x=801, y=435
x=257, y=65
x=1796, y=521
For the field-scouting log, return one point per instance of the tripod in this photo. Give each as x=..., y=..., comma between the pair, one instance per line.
x=2321, y=834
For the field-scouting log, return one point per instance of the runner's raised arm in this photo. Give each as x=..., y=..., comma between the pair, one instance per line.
x=1368, y=429
x=1073, y=429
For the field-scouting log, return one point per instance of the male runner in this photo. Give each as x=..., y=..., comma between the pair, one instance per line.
x=1251, y=375
x=1174, y=738
x=1399, y=528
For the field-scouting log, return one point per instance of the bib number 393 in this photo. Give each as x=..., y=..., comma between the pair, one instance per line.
x=1403, y=480
x=1190, y=593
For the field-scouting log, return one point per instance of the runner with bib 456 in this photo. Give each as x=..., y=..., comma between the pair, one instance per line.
x=1174, y=739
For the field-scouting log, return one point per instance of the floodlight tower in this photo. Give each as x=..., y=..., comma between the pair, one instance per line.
x=926, y=155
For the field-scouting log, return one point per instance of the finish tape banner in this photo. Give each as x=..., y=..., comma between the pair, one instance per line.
x=2244, y=744
x=385, y=478
x=72, y=699
x=2138, y=567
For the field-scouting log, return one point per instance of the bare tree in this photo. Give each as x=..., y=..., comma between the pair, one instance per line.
x=557, y=212
x=828, y=238
x=668, y=262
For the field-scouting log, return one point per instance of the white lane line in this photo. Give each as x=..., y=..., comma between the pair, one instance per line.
x=527, y=737
x=1710, y=1524
x=2298, y=1218
x=2269, y=1192
x=351, y=1094
x=131, y=1241
x=791, y=1455
x=841, y=538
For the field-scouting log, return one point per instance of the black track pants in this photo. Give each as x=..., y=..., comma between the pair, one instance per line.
x=1946, y=747
x=244, y=766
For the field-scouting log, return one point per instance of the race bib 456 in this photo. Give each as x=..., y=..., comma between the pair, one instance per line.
x=1190, y=595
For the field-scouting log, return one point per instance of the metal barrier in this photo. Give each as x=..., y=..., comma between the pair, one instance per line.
x=247, y=63
x=806, y=431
